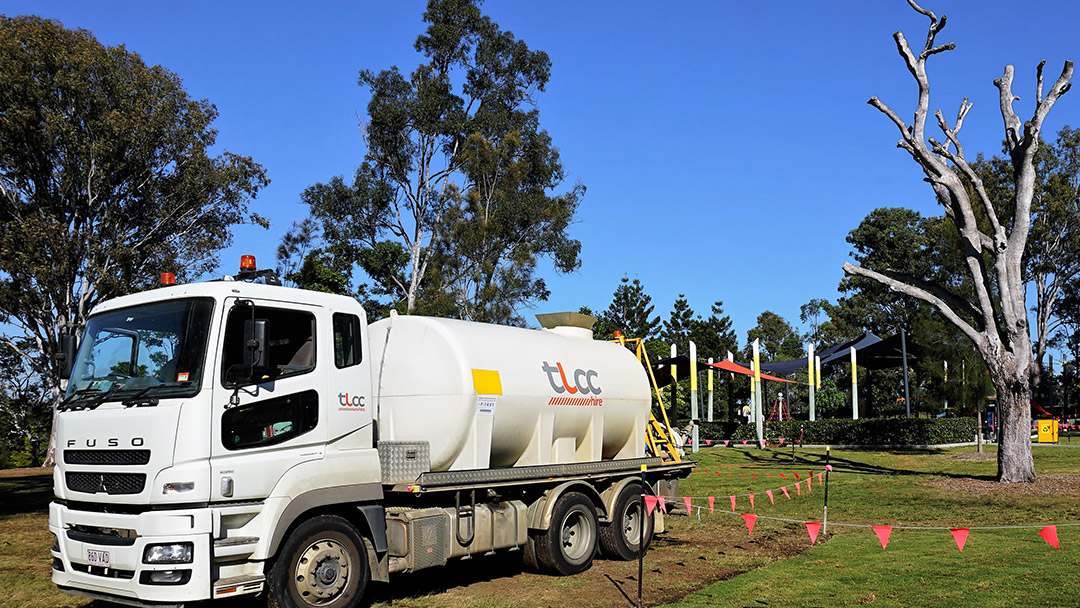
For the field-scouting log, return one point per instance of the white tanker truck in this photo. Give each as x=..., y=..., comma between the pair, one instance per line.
x=233, y=437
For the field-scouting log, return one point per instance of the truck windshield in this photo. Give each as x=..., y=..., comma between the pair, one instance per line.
x=139, y=354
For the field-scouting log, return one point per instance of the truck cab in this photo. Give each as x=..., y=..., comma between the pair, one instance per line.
x=195, y=416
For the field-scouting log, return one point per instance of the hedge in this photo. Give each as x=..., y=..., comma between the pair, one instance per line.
x=865, y=431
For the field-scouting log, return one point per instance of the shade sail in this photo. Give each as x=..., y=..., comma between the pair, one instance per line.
x=662, y=369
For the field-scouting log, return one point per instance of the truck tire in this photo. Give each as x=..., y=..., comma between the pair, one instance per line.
x=569, y=544
x=620, y=538
x=323, y=564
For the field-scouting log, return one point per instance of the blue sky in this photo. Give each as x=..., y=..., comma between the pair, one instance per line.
x=727, y=147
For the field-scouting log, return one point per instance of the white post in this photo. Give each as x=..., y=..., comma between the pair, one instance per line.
x=854, y=387
x=712, y=373
x=693, y=396
x=810, y=379
x=946, y=383
x=760, y=400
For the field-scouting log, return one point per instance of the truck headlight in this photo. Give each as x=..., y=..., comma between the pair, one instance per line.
x=175, y=553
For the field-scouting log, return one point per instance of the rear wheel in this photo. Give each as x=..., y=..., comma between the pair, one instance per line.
x=323, y=564
x=621, y=538
x=569, y=544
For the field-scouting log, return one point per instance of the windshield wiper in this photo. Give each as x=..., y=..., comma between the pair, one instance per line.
x=138, y=399
x=70, y=400
x=101, y=398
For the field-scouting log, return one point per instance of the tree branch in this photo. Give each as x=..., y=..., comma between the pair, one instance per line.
x=921, y=294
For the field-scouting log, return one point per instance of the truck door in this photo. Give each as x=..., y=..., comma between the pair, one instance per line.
x=271, y=417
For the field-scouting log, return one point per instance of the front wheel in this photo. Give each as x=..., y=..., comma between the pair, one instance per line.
x=568, y=546
x=323, y=564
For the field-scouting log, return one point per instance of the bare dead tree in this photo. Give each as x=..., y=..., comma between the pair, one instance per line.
x=995, y=317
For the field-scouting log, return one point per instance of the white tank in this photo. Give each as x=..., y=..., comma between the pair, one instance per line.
x=494, y=396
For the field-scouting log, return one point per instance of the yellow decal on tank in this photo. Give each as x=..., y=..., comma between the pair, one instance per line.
x=486, y=382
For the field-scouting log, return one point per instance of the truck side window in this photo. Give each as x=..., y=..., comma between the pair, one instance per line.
x=347, y=350
x=290, y=336
x=269, y=422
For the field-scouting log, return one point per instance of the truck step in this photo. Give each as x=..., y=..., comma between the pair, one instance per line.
x=235, y=546
x=239, y=585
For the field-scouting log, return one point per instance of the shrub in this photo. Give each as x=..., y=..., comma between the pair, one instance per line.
x=865, y=431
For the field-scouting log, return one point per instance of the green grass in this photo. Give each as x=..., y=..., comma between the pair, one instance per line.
x=1008, y=567
x=998, y=568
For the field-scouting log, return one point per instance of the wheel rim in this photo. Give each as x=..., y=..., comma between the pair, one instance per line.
x=577, y=536
x=322, y=572
x=632, y=525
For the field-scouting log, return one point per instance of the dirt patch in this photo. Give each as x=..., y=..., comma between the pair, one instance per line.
x=27, y=472
x=974, y=456
x=1045, y=485
x=690, y=556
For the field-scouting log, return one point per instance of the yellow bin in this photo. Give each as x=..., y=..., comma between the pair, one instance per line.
x=1048, y=431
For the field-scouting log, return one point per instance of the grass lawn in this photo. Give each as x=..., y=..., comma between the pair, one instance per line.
x=998, y=567
x=847, y=567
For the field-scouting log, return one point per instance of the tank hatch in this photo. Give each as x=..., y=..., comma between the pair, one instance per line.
x=568, y=323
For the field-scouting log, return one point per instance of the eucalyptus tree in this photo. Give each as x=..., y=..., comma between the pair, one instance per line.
x=993, y=238
x=458, y=178
x=106, y=179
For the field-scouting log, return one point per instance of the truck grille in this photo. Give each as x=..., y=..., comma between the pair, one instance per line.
x=106, y=457
x=110, y=483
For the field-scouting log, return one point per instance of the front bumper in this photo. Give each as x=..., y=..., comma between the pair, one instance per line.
x=127, y=579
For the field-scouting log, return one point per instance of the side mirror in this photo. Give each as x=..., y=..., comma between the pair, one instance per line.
x=66, y=356
x=256, y=354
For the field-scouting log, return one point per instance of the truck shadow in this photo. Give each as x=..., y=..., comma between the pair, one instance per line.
x=455, y=574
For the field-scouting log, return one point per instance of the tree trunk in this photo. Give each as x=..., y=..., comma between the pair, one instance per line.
x=1015, y=462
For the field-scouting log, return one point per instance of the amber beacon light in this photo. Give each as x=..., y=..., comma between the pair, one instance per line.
x=168, y=278
x=247, y=262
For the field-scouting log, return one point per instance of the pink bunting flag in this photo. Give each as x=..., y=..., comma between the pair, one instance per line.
x=798, y=489
x=813, y=527
x=744, y=442
x=883, y=533
x=708, y=442
x=750, y=519
x=753, y=475
x=726, y=442
x=751, y=500
x=828, y=467
x=730, y=473
x=786, y=492
x=781, y=441
x=650, y=504
x=960, y=535
x=808, y=482
x=1049, y=534
x=689, y=508
x=769, y=494
x=712, y=500
x=732, y=502
x=796, y=473
x=663, y=505
x=718, y=473
x=769, y=474
x=819, y=478
x=781, y=476
x=743, y=474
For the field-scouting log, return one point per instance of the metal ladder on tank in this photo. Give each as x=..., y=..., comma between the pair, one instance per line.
x=658, y=435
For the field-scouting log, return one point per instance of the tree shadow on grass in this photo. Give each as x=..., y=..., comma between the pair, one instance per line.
x=817, y=462
x=25, y=494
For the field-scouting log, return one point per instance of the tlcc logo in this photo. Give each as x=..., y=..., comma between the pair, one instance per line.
x=583, y=380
